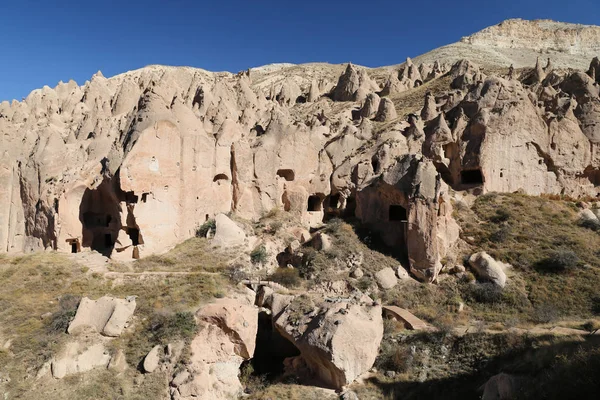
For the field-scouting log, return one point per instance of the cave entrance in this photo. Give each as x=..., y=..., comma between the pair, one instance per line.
x=315, y=203
x=471, y=177
x=397, y=213
x=271, y=350
x=75, y=245
x=100, y=216
x=134, y=235
x=287, y=174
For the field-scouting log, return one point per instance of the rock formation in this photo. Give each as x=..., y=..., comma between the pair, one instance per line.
x=326, y=335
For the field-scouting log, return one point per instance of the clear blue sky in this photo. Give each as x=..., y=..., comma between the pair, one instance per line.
x=46, y=41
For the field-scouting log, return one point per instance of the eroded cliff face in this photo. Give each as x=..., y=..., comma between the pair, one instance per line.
x=132, y=165
x=539, y=35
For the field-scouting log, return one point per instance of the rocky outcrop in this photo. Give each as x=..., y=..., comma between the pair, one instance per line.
x=77, y=357
x=107, y=315
x=353, y=85
x=226, y=337
x=326, y=332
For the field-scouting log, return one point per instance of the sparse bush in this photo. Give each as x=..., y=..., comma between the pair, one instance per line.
x=275, y=226
x=544, y=314
x=487, y=293
x=259, y=255
x=286, y=276
x=168, y=327
x=595, y=307
x=591, y=327
x=393, y=357
x=501, y=235
x=205, y=228
x=364, y=283
x=59, y=321
x=559, y=261
x=502, y=214
x=299, y=307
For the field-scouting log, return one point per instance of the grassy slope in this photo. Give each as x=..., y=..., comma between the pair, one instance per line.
x=32, y=286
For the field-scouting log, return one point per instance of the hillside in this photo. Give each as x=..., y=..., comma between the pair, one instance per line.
x=424, y=230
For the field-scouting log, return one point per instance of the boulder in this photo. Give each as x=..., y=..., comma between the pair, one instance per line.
x=77, y=357
x=386, y=278
x=486, y=268
x=107, y=315
x=118, y=362
x=226, y=338
x=228, y=233
x=152, y=359
x=402, y=273
x=500, y=387
x=238, y=319
x=357, y=273
x=330, y=348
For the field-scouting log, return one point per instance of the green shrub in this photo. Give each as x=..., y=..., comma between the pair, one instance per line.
x=286, y=276
x=544, y=314
x=205, y=228
x=486, y=293
x=59, y=321
x=501, y=215
x=168, y=327
x=559, y=261
x=259, y=255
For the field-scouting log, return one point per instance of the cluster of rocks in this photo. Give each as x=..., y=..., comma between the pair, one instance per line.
x=94, y=325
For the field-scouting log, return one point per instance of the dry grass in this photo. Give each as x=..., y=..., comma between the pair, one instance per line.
x=31, y=286
x=292, y=392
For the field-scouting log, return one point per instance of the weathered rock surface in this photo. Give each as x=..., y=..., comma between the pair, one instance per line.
x=77, y=357
x=107, y=315
x=386, y=278
x=326, y=337
x=500, y=387
x=487, y=268
x=228, y=233
x=226, y=337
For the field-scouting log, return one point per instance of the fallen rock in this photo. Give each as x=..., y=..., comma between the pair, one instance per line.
x=228, y=233
x=487, y=268
x=330, y=348
x=118, y=362
x=357, y=273
x=152, y=359
x=227, y=337
x=107, y=315
x=500, y=387
x=237, y=319
x=386, y=278
x=402, y=273
x=76, y=358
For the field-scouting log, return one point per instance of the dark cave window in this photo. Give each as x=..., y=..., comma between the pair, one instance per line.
x=397, y=213
x=471, y=177
x=314, y=203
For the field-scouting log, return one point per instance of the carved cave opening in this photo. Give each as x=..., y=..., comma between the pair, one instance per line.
x=287, y=174
x=271, y=350
x=315, y=203
x=100, y=213
x=471, y=177
x=397, y=213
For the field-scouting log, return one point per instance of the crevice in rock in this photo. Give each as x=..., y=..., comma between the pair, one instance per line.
x=271, y=350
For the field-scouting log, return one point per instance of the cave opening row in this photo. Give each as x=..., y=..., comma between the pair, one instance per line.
x=100, y=213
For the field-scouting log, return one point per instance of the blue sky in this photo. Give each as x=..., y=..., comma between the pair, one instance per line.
x=44, y=42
